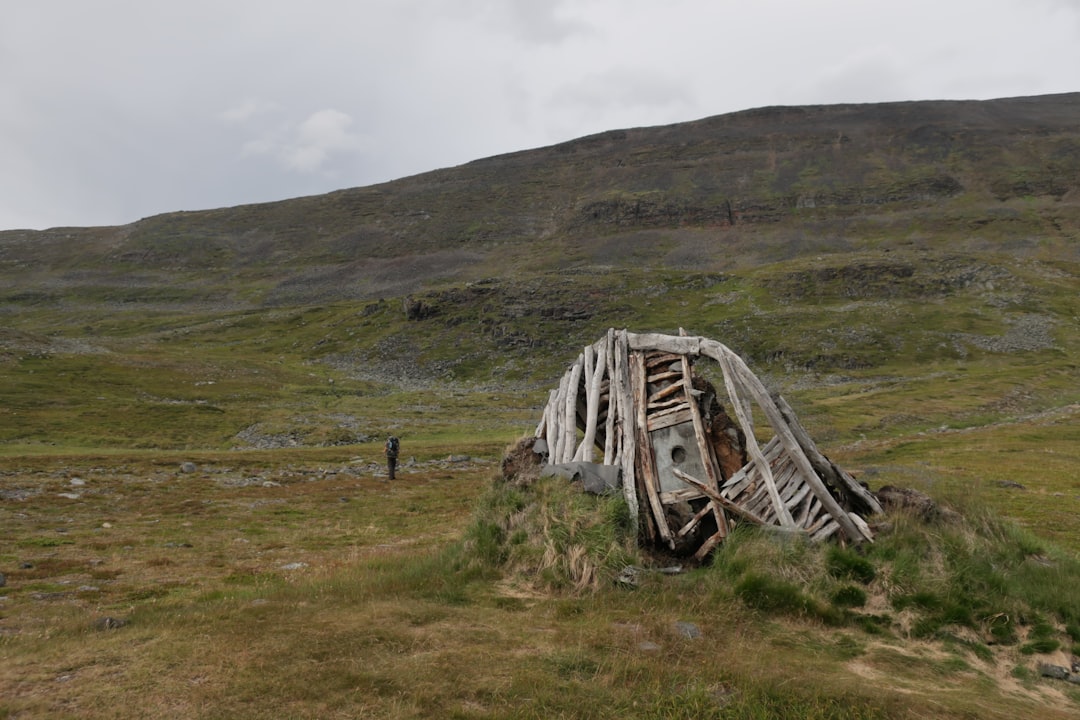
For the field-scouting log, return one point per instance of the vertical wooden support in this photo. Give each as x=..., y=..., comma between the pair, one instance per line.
x=569, y=443
x=594, y=373
x=646, y=459
x=610, y=442
x=621, y=391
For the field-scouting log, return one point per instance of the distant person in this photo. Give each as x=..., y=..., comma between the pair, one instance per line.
x=391, y=450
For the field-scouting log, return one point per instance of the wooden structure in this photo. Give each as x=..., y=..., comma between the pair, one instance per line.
x=633, y=401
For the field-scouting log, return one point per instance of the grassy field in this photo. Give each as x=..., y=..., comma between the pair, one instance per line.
x=299, y=583
x=283, y=577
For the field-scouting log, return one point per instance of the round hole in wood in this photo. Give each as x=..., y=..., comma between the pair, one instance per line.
x=678, y=454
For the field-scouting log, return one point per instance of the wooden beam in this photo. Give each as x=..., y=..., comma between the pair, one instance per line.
x=569, y=444
x=720, y=499
x=742, y=412
x=665, y=343
x=646, y=460
x=693, y=522
x=674, y=416
x=625, y=419
x=712, y=470
x=610, y=442
x=822, y=464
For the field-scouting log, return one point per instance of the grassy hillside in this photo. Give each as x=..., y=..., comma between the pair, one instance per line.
x=905, y=274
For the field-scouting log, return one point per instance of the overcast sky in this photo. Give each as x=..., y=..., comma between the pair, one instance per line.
x=113, y=110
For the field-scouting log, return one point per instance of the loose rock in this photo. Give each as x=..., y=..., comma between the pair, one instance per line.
x=688, y=630
x=110, y=623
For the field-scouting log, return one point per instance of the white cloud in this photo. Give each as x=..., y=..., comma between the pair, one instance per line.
x=308, y=146
x=247, y=110
x=128, y=108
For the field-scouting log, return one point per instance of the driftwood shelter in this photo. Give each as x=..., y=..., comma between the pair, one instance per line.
x=632, y=413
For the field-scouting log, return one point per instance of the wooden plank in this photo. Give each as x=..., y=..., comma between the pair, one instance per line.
x=666, y=343
x=731, y=382
x=740, y=478
x=557, y=419
x=669, y=390
x=797, y=498
x=826, y=531
x=593, y=402
x=784, y=433
x=656, y=408
x=708, y=459
x=863, y=527
x=720, y=499
x=657, y=359
x=569, y=445
x=811, y=512
x=673, y=496
x=668, y=375
x=693, y=523
x=646, y=460
x=676, y=416
x=708, y=545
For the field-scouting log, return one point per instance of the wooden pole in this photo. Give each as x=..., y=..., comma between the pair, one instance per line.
x=646, y=461
x=746, y=420
x=624, y=411
x=824, y=467
x=610, y=441
x=570, y=415
x=791, y=445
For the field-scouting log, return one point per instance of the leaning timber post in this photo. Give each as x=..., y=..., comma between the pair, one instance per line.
x=825, y=468
x=708, y=459
x=570, y=415
x=541, y=427
x=586, y=376
x=647, y=463
x=731, y=382
x=791, y=445
x=557, y=412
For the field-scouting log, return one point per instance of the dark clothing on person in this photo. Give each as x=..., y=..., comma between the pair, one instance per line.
x=391, y=450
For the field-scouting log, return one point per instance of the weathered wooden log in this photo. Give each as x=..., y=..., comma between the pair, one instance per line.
x=624, y=411
x=824, y=467
x=569, y=445
x=646, y=461
x=742, y=413
x=593, y=403
x=794, y=450
x=609, y=398
x=661, y=394
x=720, y=499
x=667, y=343
x=708, y=459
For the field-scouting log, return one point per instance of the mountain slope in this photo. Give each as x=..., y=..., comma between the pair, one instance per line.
x=756, y=186
x=821, y=242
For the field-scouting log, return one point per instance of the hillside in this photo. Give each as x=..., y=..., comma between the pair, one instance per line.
x=192, y=512
x=726, y=192
x=814, y=240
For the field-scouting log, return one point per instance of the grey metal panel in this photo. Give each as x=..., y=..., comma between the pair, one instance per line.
x=676, y=446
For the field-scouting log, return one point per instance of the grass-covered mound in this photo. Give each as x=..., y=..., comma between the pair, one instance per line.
x=956, y=575
x=546, y=531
